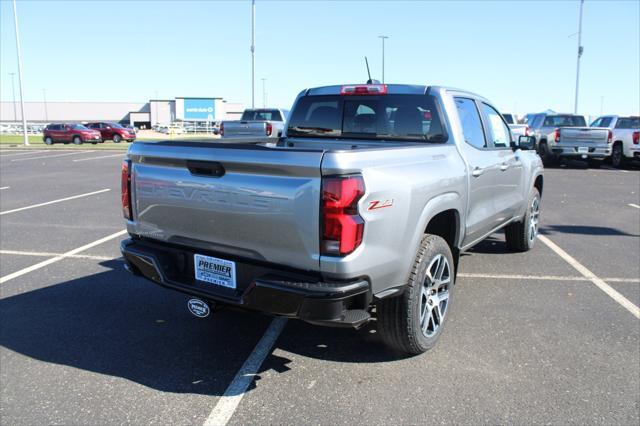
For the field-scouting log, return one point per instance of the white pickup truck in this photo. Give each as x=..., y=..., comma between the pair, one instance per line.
x=517, y=130
x=256, y=123
x=625, y=137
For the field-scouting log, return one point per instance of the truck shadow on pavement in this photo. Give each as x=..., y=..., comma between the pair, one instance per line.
x=115, y=324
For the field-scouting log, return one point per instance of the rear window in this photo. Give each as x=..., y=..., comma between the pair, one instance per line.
x=628, y=123
x=564, y=121
x=387, y=117
x=262, y=115
x=508, y=118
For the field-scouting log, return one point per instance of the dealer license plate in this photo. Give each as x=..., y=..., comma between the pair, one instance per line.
x=215, y=271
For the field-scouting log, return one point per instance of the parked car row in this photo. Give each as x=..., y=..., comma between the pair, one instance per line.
x=91, y=132
x=563, y=136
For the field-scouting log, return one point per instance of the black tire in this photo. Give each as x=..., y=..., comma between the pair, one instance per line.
x=617, y=156
x=400, y=319
x=77, y=140
x=521, y=236
x=545, y=154
x=48, y=141
x=117, y=138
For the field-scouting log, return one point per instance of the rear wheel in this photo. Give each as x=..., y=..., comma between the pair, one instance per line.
x=117, y=138
x=545, y=153
x=521, y=236
x=413, y=321
x=617, y=156
x=77, y=140
x=48, y=141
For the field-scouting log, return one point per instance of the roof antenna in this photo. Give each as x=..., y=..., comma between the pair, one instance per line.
x=370, y=81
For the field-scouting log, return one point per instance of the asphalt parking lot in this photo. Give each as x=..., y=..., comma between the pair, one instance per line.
x=532, y=338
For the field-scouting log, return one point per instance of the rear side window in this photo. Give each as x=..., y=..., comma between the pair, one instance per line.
x=498, y=130
x=564, y=121
x=628, y=123
x=471, y=123
x=386, y=117
x=508, y=118
x=262, y=115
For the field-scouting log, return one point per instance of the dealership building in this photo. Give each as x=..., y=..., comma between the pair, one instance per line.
x=192, y=110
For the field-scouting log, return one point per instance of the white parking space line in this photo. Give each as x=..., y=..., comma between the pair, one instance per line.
x=15, y=154
x=62, y=256
x=52, y=156
x=542, y=277
x=228, y=403
x=97, y=158
x=5, y=187
x=55, y=201
x=610, y=291
x=48, y=254
x=634, y=205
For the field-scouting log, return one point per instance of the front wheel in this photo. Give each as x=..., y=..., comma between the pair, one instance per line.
x=521, y=236
x=48, y=141
x=117, y=138
x=412, y=322
x=77, y=140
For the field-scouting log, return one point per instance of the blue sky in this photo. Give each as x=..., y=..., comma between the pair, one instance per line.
x=519, y=54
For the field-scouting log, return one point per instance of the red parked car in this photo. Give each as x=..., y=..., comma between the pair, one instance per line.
x=113, y=131
x=76, y=133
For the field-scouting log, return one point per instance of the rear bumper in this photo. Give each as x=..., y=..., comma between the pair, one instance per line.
x=265, y=288
x=598, y=151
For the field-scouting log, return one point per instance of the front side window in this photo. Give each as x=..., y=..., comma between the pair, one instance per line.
x=471, y=123
x=498, y=130
x=385, y=117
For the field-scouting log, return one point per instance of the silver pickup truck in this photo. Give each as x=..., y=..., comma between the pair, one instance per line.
x=359, y=211
x=255, y=123
x=567, y=136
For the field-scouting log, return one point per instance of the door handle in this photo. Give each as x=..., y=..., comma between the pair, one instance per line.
x=477, y=171
x=504, y=166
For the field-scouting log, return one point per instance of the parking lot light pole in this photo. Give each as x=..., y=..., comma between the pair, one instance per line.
x=24, y=119
x=383, y=37
x=13, y=91
x=253, y=53
x=46, y=113
x=580, y=50
x=264, y=94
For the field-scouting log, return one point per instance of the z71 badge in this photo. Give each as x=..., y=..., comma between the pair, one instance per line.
x=379, y=204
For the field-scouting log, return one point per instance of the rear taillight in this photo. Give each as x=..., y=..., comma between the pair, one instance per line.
x=636, y=138
x=526, y=131
x=342, y=227
x=221, y=129
x=269, y=129
x=125, y=185
x=556, y=134
x=364, y=89
x=610, y=136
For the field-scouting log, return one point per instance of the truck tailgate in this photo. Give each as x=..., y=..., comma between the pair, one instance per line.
x=241, y=129
x=583, y=135
x=249, y=201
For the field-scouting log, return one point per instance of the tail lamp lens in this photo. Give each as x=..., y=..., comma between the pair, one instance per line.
x=610, y=137
x=636, y=138
x=221, y=129
x=557, y=135
x=269, y=129
x=125, y=184
x=342, y=227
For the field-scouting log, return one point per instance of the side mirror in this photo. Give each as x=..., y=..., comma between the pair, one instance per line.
x=526, y=142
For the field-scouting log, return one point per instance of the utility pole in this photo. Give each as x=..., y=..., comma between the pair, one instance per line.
x=264, y=94
x=601, y=104
x=24, y=118
x=13, y=91
x=253, y=53
x=383, y=37
x=580, y=50
x=46, y=113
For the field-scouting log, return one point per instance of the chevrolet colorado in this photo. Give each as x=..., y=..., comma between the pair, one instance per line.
x=359, y=211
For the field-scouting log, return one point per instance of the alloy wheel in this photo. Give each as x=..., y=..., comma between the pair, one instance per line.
x=434, y=299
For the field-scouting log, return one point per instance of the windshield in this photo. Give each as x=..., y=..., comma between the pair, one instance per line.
x=115, y=125
x=628, y=123
x=261, y=115
x=79, y=127
x=564, y=121
x=384, y=117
